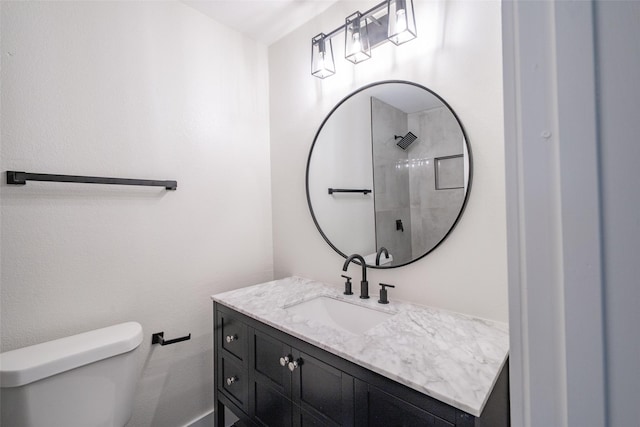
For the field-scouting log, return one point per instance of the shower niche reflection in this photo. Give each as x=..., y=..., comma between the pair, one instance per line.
x=405, y=143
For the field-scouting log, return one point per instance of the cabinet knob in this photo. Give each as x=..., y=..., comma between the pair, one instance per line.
x=231, y=338
x=231, y=380
x=295, y=364
x=284, y=360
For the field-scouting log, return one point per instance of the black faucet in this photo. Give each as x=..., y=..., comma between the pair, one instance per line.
x=384, y=298
x=364, y=285
x=380, y=251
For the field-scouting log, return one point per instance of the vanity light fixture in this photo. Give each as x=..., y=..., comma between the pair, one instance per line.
x=322, y=64
x=356, y=39
x=402, y=24
x=390, y=20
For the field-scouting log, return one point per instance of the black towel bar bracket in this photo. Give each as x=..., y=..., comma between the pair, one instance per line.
x=158, y=338
x=346, y=190
x=21, y=178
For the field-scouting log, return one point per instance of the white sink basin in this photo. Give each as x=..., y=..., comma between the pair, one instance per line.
x=339, y=314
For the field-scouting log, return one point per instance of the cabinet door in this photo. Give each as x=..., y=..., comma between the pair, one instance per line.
x=267, y=352
x=384, y=410
x=322, y=390
x=270, y=407
x=270, y=403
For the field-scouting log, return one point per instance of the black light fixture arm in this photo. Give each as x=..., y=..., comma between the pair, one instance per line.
x=368, y=14
x=360, y=37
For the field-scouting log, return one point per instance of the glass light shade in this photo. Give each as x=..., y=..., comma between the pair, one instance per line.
x=322, y=64
x=356, y=39
x=402, y=21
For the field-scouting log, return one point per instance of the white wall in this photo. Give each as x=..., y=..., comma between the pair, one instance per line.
x=618, y=60
x=618, y=25
x=571, y=109
x=348, y=220
x=142, y=90
x=458, y=55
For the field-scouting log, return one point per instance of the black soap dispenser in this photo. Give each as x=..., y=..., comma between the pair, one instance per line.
x=347, y=285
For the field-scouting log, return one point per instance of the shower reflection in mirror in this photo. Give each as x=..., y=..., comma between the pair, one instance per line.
x=410, y=192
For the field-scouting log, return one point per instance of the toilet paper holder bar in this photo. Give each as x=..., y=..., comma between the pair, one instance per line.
x=158, y=338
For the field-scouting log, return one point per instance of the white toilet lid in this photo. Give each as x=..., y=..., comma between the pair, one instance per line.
x=33, y=363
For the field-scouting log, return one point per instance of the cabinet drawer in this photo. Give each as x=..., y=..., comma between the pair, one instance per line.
x=234, y=381
x=232, y=335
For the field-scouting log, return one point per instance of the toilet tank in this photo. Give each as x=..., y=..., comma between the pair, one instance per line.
x=84, y=380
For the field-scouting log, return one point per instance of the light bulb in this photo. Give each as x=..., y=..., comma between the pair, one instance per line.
x=357, y=46
x=401, y=21
x=321, y=61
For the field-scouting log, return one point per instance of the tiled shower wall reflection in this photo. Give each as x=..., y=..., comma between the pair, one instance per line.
x=432, y=211
x=404, y=181
x=390, y=181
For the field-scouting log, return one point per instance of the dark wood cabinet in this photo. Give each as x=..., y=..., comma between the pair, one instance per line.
x=271, y=382
x=232, y=367
x=320, y=389
x=269, y=378
x=234, y=381
x=290, y=387
x=380, y=409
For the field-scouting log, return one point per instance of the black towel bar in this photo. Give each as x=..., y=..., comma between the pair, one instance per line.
x=346, y=190
x=21, y=178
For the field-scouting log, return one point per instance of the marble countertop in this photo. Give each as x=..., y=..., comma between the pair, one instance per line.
x=449, y=356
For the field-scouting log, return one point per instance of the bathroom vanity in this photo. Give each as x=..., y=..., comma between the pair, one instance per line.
x=297, y=352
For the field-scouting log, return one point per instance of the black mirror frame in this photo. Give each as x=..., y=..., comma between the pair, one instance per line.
x=315, y=139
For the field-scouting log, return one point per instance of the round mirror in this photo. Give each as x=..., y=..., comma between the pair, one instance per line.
x=389, y=172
